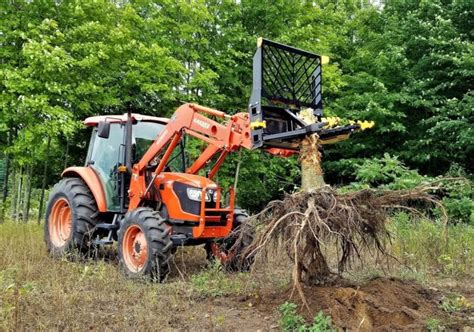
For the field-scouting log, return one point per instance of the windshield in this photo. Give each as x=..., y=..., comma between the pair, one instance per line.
x=144, y=134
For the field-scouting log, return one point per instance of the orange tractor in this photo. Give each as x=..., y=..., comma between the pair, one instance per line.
x=139, y=187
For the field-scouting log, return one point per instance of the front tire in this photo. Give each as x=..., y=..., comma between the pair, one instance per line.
x=144, y=245
x=71, y=217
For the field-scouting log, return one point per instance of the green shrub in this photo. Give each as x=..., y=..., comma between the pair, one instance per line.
x=291, y=321
x=456, y=190
x=388, y=171
x=459, y=201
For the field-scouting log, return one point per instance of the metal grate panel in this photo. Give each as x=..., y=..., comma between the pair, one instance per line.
x=290, y=76
x=285, y=80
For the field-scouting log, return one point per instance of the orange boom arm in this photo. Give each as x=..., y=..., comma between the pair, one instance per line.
x=189, y=119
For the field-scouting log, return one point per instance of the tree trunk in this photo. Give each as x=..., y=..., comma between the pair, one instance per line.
x=14, y=192
x=5, y=181
x=66, y=154
x=5, y=188
x=27, y=201
x=19, y=191
x=313, y=266
x=21, y=187
x=43, y=185
x=310, y=159
x=310, y=162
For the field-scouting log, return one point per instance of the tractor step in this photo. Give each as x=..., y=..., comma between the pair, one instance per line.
x=103, y=242
x=179, y=239
x=107, y=226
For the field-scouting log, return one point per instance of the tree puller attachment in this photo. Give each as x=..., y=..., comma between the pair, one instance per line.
x=287, y=81
x=140, y=188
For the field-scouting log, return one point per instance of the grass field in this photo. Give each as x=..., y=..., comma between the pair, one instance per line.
x=41, y=293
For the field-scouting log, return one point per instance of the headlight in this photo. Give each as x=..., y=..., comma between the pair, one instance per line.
x=194, y=194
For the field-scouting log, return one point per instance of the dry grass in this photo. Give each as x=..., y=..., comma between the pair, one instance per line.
x=40, y=293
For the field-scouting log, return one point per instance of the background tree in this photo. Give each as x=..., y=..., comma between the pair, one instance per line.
x=407, y=66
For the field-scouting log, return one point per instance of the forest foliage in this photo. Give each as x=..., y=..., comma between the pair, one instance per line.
x=408, y=66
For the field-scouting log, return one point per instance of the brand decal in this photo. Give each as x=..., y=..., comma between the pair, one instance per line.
x=202, y=123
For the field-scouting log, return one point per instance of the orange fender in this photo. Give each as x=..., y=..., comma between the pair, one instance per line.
x=93, y=182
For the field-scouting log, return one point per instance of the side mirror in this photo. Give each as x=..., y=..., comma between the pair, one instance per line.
x=103, y=129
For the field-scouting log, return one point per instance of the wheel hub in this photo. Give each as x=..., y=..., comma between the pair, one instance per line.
x=135, y=248
x=60, y=222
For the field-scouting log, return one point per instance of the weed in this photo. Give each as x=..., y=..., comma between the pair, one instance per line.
x=421, y=244
x=291, y=321
x=420, y=276
x=215, y=282
x=455, y=303
x=11, y=292
x=97, y=270
x=321, y=323
x=434, y=325
x=219, y=320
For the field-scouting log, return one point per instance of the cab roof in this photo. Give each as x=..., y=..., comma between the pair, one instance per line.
x=94, y=120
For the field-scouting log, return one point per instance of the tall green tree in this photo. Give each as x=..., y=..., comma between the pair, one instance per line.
x=412, y=73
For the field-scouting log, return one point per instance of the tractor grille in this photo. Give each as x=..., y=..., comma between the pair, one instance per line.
x=189, y=206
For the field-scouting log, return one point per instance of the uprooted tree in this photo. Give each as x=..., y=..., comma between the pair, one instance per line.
x=286, y=113
x=317, y=221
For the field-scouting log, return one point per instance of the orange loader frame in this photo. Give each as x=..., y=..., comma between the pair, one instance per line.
x=222, y=138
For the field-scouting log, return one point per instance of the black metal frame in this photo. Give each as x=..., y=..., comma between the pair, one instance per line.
x=285, y=80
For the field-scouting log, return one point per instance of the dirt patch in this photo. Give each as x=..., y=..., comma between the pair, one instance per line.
x=381, y=304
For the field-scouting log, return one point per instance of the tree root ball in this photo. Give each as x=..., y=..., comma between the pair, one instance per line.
x=306, y=222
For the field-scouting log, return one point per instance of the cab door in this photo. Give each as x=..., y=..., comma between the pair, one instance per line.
x=104, y=157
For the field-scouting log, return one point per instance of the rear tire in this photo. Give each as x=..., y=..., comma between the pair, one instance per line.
x=144, y=245
x=230, y=250
x=71, y=217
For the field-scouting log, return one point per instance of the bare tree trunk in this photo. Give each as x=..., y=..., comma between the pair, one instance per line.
x=5, y=188
x=27, y=200
x=5, y=181
x=310, y=162
x=66, y=154
x=43, y=185
x=14, y=192
x=310, y=159
x=19, y=191
x=312, y=262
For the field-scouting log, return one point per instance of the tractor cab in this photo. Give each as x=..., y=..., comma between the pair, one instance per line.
x=107, y=148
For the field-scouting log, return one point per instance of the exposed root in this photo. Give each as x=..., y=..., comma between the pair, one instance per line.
x=305, y=223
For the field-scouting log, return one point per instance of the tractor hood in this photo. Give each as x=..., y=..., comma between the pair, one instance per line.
x=189, y=179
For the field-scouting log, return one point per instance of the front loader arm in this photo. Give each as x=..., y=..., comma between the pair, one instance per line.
x=190, y=119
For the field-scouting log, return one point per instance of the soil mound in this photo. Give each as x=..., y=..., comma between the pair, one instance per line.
x=381, y=304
